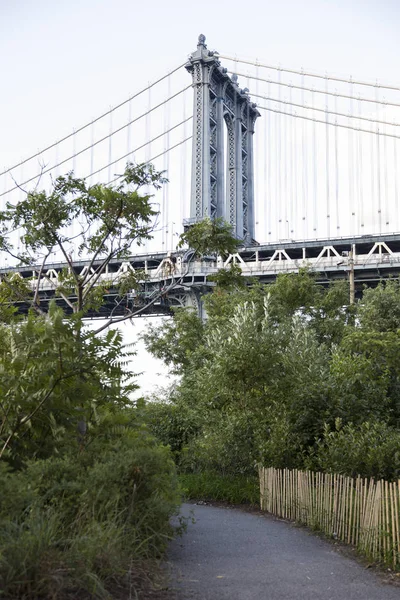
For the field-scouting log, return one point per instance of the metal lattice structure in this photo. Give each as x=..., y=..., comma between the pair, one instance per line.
x=222, y=178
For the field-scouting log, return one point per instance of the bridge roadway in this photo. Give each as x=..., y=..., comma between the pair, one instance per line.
x=374, y=257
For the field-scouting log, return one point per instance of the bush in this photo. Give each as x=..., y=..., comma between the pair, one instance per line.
x=172, y=424
x=226, y=446
x=370, y=450
x=81, y=521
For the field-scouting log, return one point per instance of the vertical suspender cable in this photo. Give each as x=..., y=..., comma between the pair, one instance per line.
x=291, y=175
x=71, y=227
x=361, y=175
x=327, y=166
x=165, y=211
x=91, y=153
x=315, y=166
x=275, y=204
x=396, y=191
x=336, y=174
x=284, y=176
x=148, y=127
x=372, y=171
x=386, y=219
x=91, y=177
x=21, y=195
x=304, y=167
x=128, y=129
x=257, y=208
x=267, y=171
x=351, y=162
x=297, y=210
x=279, y=164
x=184, y=164
x=357, y=179
x=378, y=167
x=110, y=147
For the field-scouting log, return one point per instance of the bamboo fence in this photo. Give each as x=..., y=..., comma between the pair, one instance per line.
x=361, y=512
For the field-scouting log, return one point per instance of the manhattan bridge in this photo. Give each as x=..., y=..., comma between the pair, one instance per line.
x=302, y=165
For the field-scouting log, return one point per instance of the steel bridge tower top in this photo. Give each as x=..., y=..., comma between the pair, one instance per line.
x=222, y=177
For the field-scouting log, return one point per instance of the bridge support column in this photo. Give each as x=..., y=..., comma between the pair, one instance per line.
x=221, y=188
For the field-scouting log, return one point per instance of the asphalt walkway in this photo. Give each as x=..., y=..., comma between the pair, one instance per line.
x=228, y=554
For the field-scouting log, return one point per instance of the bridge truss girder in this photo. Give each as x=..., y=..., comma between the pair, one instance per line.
x=374, y=258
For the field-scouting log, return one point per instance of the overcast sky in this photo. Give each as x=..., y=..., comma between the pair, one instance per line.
x=63, y=62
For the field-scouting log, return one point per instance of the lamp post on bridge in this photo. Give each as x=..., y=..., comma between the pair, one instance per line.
x=351, y=277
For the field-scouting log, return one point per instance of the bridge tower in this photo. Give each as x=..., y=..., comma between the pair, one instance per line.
x=222, y=178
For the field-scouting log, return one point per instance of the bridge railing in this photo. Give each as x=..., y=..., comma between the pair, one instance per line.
x=167, y=269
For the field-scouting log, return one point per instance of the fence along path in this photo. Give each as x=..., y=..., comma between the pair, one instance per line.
x=357, y=511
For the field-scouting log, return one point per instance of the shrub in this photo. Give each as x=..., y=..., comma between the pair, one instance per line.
x=370, y=450
x=81, y=521
x=226, y=446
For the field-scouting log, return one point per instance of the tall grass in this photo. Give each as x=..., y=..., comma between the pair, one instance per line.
x=209, y=486
x=86, y=526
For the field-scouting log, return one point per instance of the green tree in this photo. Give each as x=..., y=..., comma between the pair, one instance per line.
x=110, y=220
x=210, y=236
x=49, y=384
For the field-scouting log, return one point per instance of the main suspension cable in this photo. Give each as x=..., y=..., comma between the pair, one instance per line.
x=322, y=110
x=308, y=73
x=324, y=92
x=98, y=141
x=40, y=152
x=381, y=133
x=102, y=168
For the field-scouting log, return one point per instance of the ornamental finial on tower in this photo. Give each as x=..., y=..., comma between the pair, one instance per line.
x=202, y=40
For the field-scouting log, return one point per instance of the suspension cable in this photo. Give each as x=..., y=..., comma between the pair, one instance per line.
x=154, y=157
x=140, y=148
x=324, y=92
x=330, y=123
x=307, y=73
x=102, y=168
x=94, y=120
x=98, y=141
x=331, y=112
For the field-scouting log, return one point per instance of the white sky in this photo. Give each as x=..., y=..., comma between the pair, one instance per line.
x=64, y=62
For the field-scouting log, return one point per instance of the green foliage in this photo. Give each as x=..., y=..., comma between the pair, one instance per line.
x=50, y=381
x=110, y=217
x=226, y=446
x=370, y=450
x=84, y=524
x=380, y=308
x=117, y=215
x=174, y=426
x=273, y=369
x=86, y=492
x=176, y=341
x=13, y=291
x=229, y=279
x=210, y=236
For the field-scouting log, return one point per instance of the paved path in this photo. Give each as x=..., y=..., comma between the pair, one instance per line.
x=232, y=555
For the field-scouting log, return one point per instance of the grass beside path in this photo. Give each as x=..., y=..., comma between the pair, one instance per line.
x=209, y=486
